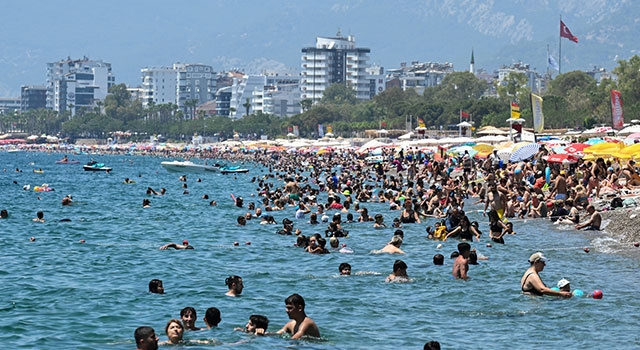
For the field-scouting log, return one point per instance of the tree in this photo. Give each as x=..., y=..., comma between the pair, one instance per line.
x=306, y=104
x=514, y=87
x=628, y=73
x=247, y=106
x=339, y=93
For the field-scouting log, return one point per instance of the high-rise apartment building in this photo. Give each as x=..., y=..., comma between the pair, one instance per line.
x=185, y=85
x=159, y=85
x=334, y=60
x=73, y=84
x=32, y=97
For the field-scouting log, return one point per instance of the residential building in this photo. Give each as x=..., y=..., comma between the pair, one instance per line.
x=73, y=84
x=9, y=105
x=535, y=81
x=32, y=97
x=242, y=91
x=196, y=85
x=599, y=73
x=223, y=101
x=334, y=60
x=419, y=75
x=377, y=80
x=159, y=86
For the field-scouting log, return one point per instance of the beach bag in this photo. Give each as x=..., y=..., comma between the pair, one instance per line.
x=616, y=203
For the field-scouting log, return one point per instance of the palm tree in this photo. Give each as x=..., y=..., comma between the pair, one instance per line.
x=247, y=106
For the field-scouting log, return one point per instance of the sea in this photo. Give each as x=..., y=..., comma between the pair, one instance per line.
x=82, y=283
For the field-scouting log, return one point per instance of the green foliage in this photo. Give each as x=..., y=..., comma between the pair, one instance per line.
x=339, y=94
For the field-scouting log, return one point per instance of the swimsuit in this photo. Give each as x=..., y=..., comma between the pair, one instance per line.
x=532, y=290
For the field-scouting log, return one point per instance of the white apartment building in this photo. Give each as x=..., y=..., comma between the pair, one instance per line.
x=535, y=81
x=73, y=84
x=420, y=75
x=179, y=84
x=159, y=86
x=334, y=60
x=195, y=82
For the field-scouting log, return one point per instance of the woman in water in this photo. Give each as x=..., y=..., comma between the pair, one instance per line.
x=532, y=284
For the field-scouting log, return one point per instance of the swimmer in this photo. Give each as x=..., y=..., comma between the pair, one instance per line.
x=146, y=338
x=212, y=317
x=67, y=200
x=393, y=247
x=188, y=317
x=399, y=272
x=257, y=325
x=4, y=214
x=146, y=203
x=39, y=217
x=155, y=286
x=174, y=331
x=235, y=286
x=532, y=284
x=345, y=269
x=300, y=325
x=461, y=264
x=185, y=245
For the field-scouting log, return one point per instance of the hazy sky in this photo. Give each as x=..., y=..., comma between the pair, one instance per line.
x=252, y=34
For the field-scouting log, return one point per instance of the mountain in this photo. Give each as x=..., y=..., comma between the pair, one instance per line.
x=254, y=35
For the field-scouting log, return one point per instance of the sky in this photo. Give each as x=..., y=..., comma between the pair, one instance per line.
x=253, y=35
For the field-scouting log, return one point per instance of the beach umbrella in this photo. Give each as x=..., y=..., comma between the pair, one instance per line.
x=522, y=151
x=559, y=150
x=491, y=130
x=576, y=147
x=629, y=130
x=594, y=141
x=483, y=147
x=633, y=150
x=562, y=158
x=600, y=147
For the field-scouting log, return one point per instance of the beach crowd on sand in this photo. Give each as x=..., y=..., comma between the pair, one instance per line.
x=417, y=186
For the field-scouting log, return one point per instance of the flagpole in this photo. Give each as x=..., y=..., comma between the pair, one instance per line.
x=548, y=74
x=533, y=117
x=560, y=50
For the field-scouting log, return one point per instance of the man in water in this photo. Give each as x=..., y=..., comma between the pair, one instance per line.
x=461, y=264
x=235, y=286
x=393, y=247
x=345, y=269
x=593, y=224
x=399, y=272
x=257, y=325
x=300, y=325
x=188, y=316
x=185, y=245
x=212, y=317
x=146, y=338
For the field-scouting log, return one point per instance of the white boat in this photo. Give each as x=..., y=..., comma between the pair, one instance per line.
x=189, y=167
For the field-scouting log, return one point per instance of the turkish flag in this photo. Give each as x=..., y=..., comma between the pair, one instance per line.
x=566, y=33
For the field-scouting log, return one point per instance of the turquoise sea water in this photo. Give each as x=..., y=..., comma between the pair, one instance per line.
x=59, y=293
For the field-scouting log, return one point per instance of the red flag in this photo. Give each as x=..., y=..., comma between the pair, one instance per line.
x=617, y=116
x=566, y=33
x=383, y=124
x=464, y=114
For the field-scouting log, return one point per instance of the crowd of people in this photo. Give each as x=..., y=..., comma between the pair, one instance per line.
x=419, y=189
